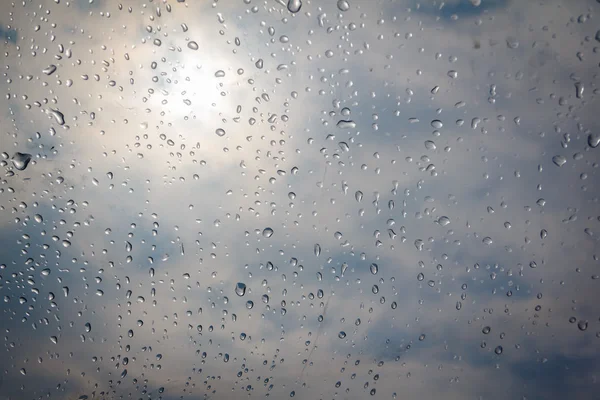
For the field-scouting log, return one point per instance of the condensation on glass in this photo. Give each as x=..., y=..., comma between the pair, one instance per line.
x=341, y=199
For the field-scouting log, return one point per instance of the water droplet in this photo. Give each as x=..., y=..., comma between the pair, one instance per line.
x=58, y=116
x=443, y=220
x=374, y=269
x=498, y=350
x=437, y=124
x=358, y=196
x=343, y=5
x=430, y=145
x=267, y=232
x=579, y=88
x=346, y=124
x=294, y=6
x=593, y=140
x=249, y=304
x=21, y=160
x=342, y=334
x=49, y=70
x=220, y=132
x=240, y=289
x=487, y=240
x=192, y=45
x=559, y=161
x=486, y=330
x=259, y=63
x=88, y=327
x=317, y=250
x=582, y=325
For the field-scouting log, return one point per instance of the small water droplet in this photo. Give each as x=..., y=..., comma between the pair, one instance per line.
x=342, y=334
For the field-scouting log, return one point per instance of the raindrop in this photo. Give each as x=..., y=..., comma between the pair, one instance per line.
x=374, y=269
x=192, y=45
x=21, y=160
x=58, y=116
x=346, y=124
x=317, y=250
x=294, y=6
x=443, y=220
x=593, y=139
x=559, y=161
x=267, y=232
x=49, y=70
x=343, y=5
x=240, y=289
x=342, y=334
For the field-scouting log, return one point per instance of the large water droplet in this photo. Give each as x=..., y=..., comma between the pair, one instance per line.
x=192, y=45
x=294, y=6
x=21, y=160
x=58, y=116
x=593, y=140
x=267, y=232
x=49, y=70
x=559, y=161
x=240, y=289
x=346, y=124
x=343, y=5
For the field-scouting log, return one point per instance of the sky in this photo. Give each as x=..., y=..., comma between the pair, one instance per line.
x=407, y=191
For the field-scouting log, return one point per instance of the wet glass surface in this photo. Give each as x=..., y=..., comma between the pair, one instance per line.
x=314, y=199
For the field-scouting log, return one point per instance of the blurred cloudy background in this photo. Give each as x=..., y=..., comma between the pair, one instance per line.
x=407, y=190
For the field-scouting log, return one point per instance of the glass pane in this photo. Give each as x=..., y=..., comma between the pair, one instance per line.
x=341, y=199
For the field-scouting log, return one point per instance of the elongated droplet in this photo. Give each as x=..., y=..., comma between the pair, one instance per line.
x=593, y=140
x=346, y=124
x=49, y=70
x=58, y=116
